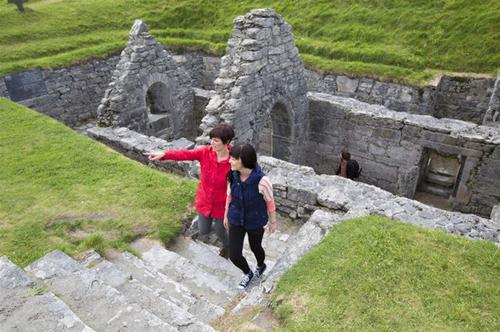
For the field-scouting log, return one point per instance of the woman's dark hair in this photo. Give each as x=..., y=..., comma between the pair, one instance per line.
x=246, y=153
x=346, y=155
x=223, y=131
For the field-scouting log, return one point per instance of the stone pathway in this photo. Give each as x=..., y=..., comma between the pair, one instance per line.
x=184, y=288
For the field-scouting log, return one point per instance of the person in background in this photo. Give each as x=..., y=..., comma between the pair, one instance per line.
x=211, y=193
x=348, y=168
x=250, y=210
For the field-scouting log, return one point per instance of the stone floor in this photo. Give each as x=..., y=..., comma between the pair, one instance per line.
x=433, y=200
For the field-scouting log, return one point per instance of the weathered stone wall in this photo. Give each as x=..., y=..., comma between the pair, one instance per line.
x=133, y=145
x=458, y=98
x=260, y=70
x=389, y=147
x=463, y=98
x=492, y=116
x=394, y=96
x=72, y=94
x=203, y=69
x=146, y=78
x=299, y=191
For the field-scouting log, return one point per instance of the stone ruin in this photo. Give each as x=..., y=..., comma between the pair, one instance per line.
x=148, y=91
x=151, y=103
x=261, y=89
x=438, y=144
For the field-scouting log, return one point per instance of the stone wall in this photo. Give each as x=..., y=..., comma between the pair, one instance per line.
x=458, y=98
x=394, y=96
x=134, y=145
x=492, y=116
x=463, y=98
x=70, y=95
x=299, y=191
x=390, y=148
x=74, y=93
x=203, y=69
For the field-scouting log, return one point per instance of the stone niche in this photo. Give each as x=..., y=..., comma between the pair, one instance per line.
x=149, y=91
x=276, y=136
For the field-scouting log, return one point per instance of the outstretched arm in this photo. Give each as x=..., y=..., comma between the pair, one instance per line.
x=175, y=154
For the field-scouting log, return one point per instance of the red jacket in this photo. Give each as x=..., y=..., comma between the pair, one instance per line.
x=212, y=188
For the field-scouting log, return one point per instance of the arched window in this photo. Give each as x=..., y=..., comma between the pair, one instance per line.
x=159, y=106
x=275, y=137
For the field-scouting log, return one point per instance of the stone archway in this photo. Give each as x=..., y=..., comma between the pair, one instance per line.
x=158, y=99
x=276, y=136
x=159, y=107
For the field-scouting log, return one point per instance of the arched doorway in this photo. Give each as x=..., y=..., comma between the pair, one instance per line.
x=275, y=138
x=159, y=106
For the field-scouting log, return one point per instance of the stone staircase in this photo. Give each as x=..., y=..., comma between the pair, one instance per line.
x=184, y=288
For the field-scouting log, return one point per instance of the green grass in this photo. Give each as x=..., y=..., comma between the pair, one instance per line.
x=63, y=190
x=394, y=40
x=374, y=274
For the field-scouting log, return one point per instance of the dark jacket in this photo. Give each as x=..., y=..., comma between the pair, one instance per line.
x=248, y=207
x=353, y=170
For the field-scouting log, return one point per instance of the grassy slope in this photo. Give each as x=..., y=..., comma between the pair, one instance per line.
x=375, y=274
x=62, y=190
x=397, y=40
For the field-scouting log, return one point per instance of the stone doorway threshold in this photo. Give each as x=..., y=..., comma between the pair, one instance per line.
x=433, y=200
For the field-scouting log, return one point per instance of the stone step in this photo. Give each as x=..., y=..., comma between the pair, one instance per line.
x=440, y=179
x=25, y=307
x=207, y=257
x=199, y=281
x=44, y=312
x=146, y=297
x=166, y=287
x=275, y=243
x=436, y=189
x=101, y=306
x=236, y=273
x=159, y=121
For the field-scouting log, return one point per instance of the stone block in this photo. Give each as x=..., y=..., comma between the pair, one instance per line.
x=346, y=85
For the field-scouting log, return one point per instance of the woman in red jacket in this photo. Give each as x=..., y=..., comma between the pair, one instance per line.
x=211, y=194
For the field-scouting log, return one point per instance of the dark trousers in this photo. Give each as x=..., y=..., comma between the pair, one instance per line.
x=205, y=226
x=236, y=238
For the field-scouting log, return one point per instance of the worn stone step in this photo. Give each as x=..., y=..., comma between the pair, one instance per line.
x=26, y=307
x=44, y=312
x=99, y=305
x=440, y=179
x=166, y=287
x=199, y=281
x=146, y=297
x=436, y=189
x=159, y=121
x=207, y=257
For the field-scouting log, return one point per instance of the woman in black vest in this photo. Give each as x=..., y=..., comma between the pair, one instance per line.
x=250, y=209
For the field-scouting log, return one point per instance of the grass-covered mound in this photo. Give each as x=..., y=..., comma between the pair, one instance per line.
x=59, y=189
x=399, y=40
x=374, y=274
